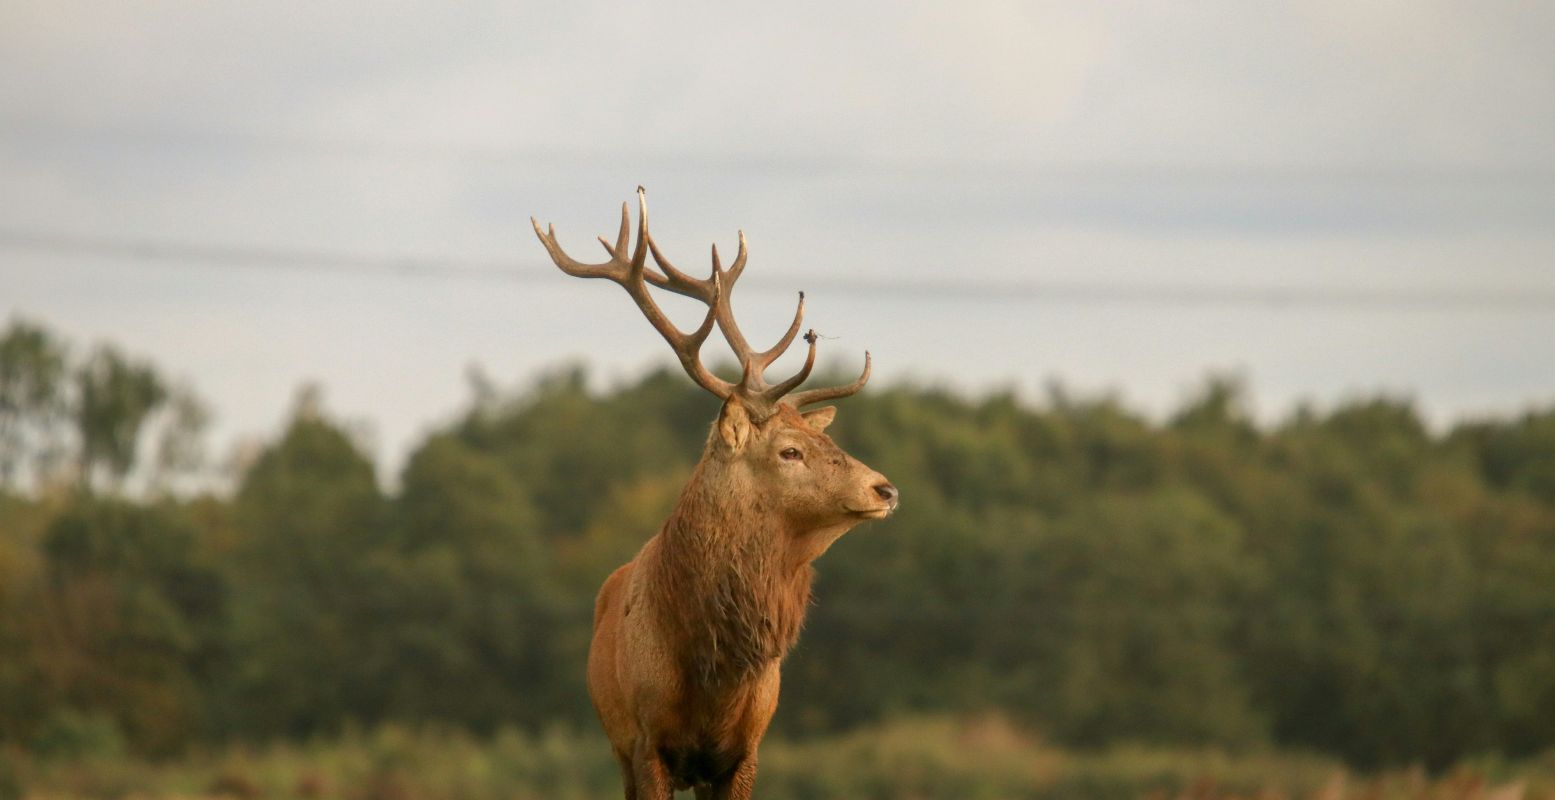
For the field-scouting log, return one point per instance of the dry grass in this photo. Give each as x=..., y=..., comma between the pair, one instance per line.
x=914, y=759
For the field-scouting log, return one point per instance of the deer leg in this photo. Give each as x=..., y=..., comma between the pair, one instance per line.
x=649, y=778
x=738, y=784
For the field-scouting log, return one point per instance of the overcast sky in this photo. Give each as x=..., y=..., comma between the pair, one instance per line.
x=1330, y=198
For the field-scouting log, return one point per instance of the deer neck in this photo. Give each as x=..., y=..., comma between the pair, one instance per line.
x=733, y=593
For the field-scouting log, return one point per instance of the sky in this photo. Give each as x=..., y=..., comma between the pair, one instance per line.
x=1328, y=199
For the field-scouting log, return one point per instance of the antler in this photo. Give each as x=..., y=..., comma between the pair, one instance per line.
x=714, y=291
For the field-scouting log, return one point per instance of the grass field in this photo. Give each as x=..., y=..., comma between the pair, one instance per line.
x=915, y=759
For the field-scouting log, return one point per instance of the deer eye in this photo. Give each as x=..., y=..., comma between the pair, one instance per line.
x=791, y=454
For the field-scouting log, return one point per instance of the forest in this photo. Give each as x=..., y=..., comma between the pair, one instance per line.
x=1348, y=583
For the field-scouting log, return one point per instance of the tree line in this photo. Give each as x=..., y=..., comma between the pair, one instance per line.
x=1345, y=581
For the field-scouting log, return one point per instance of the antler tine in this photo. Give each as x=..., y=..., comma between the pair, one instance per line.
x=755, y=363
x=775, y=393
x=754, y=382
x=640, y=253
x=634, y=276
x=739, y=258
x=766, y=357
x=622, y=239
x=804, y=398
x=568, y=264
x=726, y=321
x=676, y=281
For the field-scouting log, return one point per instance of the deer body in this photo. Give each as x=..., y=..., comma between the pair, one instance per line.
x=689, y=636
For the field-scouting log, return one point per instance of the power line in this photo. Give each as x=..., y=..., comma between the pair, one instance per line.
x=228, y=256
x=175, y=141
x=249, y=256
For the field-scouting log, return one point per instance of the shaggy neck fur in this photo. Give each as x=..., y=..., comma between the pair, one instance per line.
x=725, y=584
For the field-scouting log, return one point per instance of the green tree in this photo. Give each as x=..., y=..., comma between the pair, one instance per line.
x=477, y=619
x=127, y=620
x=32, y=400
x=310, y=616
x=180, y=450
x=1347, y=580
x=115, y=397
x=1138, y=595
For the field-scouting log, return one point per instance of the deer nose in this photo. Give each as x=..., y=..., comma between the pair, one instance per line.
x=887, y=492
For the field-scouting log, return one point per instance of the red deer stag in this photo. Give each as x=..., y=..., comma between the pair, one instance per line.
x=689, y=635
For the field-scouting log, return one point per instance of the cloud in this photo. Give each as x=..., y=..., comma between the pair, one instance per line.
x=1375, y=144
x=1294, y=83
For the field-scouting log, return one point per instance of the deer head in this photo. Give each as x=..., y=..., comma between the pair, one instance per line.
x=761, y=435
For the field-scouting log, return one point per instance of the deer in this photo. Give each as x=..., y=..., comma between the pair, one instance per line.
x=690, y=635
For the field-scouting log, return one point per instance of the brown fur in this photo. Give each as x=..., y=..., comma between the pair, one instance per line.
x=689, y=636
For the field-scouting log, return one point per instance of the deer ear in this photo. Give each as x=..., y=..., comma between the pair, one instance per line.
x=734, y=424
x=821, y=417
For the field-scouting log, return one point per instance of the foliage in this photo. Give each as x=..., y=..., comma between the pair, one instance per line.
x=32, y=377
x=1347, y=581
x=91, y=420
